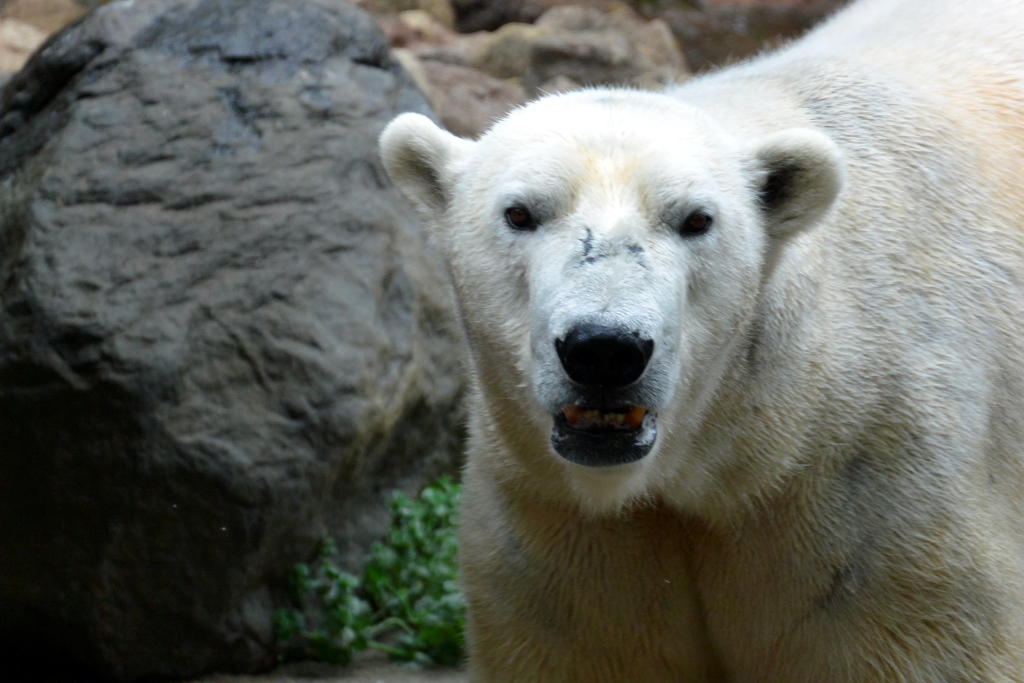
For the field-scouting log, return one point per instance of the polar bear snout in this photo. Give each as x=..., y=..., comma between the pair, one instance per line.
x=602, y=357
x=610, y=421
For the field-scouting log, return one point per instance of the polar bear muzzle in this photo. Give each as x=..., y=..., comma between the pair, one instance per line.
x=601, y=361
x=600, y=437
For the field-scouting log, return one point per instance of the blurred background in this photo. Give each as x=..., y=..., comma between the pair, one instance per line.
x=224, y=340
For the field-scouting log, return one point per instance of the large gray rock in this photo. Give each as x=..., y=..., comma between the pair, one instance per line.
x=221, y=337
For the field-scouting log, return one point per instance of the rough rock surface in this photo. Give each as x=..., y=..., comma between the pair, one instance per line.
x=592, y=47
x=221, y=338
x=412, y=27
x=724, y=31
x=466, y=101
x=440, y=10
x=471, y=80
x=506, y=53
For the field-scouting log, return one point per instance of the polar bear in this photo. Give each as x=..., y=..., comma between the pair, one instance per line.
x=747, y=362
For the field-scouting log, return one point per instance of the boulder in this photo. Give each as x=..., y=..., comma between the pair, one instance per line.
x=467, y=101
x=439, y=10
x=589, y=46
x=222, y=336
x=568, y=47
x=724, y=31
x=464, y=50
x=413, y=28
x=506, y=52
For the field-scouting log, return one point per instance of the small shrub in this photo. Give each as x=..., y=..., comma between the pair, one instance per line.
x=407, y=603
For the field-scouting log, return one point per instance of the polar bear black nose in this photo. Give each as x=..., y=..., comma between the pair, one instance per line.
x=602, y=357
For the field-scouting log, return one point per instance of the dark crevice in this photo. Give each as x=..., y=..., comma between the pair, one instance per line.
x=376, y=61
x=116, y=197
x=245, y=114
x=80, y=349
x=36, y=95
x=42, y=80
x=195, y=201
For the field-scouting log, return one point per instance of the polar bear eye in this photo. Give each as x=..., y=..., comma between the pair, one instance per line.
x=697, y=223
x=520, y=218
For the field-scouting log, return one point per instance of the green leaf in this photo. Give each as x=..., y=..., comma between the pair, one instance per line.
x=408, y=596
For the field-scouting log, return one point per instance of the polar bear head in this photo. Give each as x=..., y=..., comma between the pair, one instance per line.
x=608, y=249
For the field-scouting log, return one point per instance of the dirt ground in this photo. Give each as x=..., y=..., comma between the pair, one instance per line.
x=371, y=667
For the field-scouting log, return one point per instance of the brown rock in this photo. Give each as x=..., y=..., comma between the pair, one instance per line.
x=594, y=47
x=46, y=15
x=414, y=28
x=724, y=31
x=506, y=53
x=532, y=10
x=18, y=40
x=440, y=10
x=468, y=101
x=462, y=51
x=414, y=67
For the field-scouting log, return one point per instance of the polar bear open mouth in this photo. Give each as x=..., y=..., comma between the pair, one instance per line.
x=602, y=436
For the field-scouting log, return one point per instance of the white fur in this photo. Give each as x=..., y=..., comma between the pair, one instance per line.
x=838, y=366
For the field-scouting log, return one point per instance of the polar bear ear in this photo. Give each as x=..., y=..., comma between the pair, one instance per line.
x=418, y=156
x=799, y=173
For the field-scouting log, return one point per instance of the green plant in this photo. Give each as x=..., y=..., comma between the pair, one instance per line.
x=407, y=603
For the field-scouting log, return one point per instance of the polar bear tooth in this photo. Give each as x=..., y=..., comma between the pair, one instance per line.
x=587, y=418
x=635, y=416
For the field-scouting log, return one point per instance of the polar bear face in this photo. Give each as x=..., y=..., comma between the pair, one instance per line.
x=608, y=250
